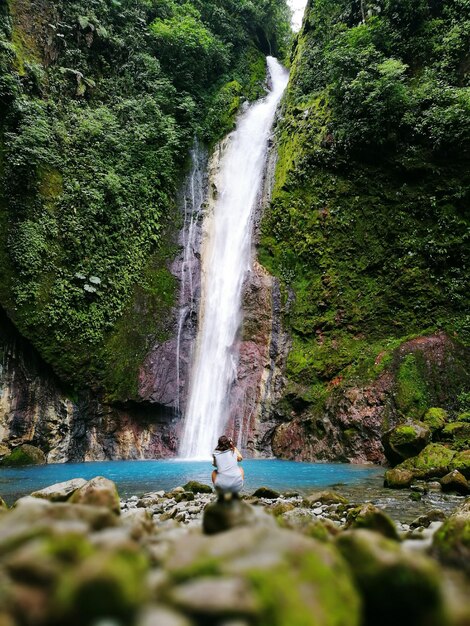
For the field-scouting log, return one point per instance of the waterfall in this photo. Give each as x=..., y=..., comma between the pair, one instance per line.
x=227, y=256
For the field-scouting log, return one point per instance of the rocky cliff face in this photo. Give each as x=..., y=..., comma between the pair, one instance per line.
x=36, y=409
x=423, y=372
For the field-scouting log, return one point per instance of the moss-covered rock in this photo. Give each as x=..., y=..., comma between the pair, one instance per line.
x=294, y=580
x=457, y=434
x=280, y=508
x=461, y=462
x=451, y=543
x=226, y=514
x=405, y=441
x=435, y=418
x=432, y=462
x=98, y=491
x=400, y=587
x=398, y=478
x=455, y=481
x=372, y=518
x=325, y=497
x=266, y=492
x=106, y=585
x=24, y=455
x=302, y=521
x=197, y=487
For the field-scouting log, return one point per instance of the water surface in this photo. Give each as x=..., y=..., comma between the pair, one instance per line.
x=358, y=483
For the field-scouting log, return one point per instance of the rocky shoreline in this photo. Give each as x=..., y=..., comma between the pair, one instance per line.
x=74, y=553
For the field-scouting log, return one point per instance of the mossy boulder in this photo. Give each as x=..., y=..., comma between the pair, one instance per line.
x=397, y=587
x=432, y=462
x=371, y=517
x=405, y=441
x=196, y=487
x=461, y=462
x=458, y=435
x=455, y=481
x=302, y=521
x=435, y=418
x=398, y=478
x=266, y=492
x=289, y=579
x=325, y=497
x=226, y=514
x=451, y=543
x=107, y=585
x=98, y=491
x=280, y=508
x=24, y=455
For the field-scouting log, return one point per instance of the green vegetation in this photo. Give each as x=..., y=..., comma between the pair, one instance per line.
x=99, y=103
x=368, y=228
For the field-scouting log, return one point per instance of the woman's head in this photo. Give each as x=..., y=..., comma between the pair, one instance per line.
x=224, y=444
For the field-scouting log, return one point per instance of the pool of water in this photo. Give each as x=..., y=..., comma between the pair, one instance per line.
x=137, y=477
x=358, y=483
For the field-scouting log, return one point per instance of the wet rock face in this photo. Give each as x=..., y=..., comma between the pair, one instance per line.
x=33, y=408
x=354, y=419
x=36, y=411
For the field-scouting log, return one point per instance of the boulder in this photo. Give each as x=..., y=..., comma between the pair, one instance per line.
x=435, y=419
x=434, y=515
x=397, y=587
x=288, y=578
x=196, y=487
x=60, y=492
x=161, y=616
x=461, y=462
x=405, y=441
x=267, y=493
x=370, y=517
x=455, y=481
x=226, y=514
x=451, y=543
x=432, y=462
x=279, y=508
x=302, y=521
x=398, y=478
x=325, y=497
x=24, y=455
x=107, y=585
x=458, y=435
x=98, y=491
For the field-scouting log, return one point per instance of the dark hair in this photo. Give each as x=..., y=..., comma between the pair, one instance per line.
x=224, y=444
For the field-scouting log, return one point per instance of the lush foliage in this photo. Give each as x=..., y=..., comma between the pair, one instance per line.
x=369, y=225
x=99, y=103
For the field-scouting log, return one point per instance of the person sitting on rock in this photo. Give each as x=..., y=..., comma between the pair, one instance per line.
x=228, y=477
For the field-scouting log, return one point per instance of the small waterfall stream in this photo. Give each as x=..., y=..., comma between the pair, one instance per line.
x=227, y=256
x=192, y=206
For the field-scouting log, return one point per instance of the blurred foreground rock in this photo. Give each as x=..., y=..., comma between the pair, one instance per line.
x=76, y=563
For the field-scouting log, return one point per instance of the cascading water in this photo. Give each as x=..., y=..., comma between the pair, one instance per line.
x=226, y=259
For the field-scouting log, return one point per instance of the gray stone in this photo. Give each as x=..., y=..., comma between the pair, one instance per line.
x=60, y=491
x=161, y=616
x=455, y=481
x=216, y=596
x=98, y=491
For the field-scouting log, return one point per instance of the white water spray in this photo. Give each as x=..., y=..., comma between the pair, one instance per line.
x=227, y=258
